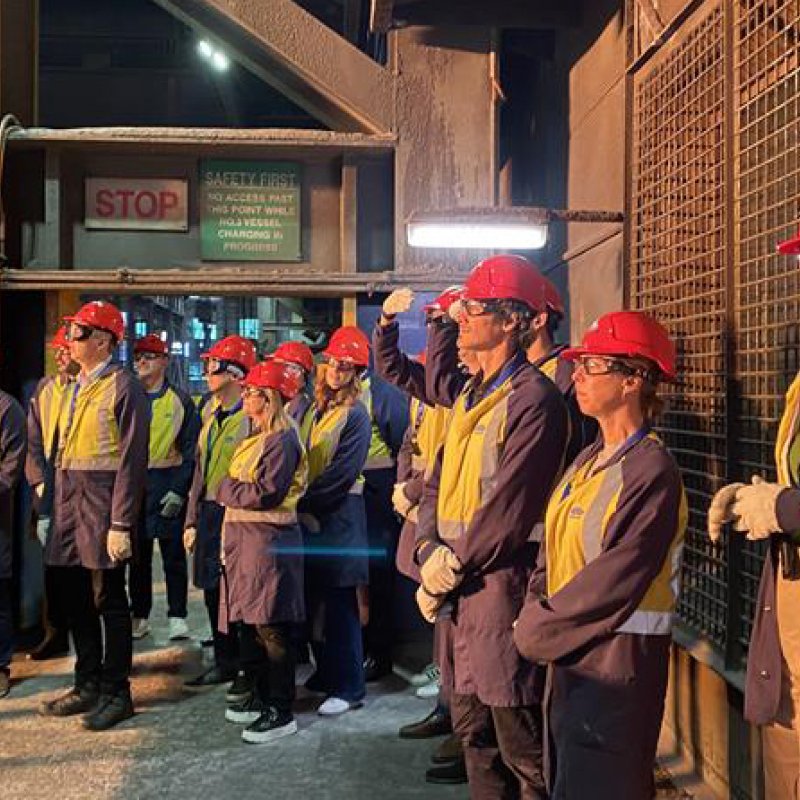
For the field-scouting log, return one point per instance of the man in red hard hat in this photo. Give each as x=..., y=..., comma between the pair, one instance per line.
x=298, y=357
x=224, y=426
x=503, y=451
x=44, y=411
x=101, y=465
x=174, y=427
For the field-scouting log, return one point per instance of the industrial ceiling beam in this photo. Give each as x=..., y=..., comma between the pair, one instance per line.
x=299, y=56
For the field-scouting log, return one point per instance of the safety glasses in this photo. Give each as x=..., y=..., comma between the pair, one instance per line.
x=598, y=365
x=478, y=308
x=341, y=366
x=252, y=391
x=214, y=366
x=76, y=332
x=146, y=356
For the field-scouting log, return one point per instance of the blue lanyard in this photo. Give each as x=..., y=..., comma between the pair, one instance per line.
x=510, y=367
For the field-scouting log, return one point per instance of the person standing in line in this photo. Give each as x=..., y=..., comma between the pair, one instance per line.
x=264, y=547
x=44, y=411
x=600, y=604
x=100, y=471
x=334, y=523
x=225, y=425
x=299, y=358
x=174, y=428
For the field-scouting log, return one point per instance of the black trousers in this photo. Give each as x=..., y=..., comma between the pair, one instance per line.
x=173, y=557
x=6, y=624
x=502, y=748
x=274, y=680
x=98, y=614
x=54, y=617
x=226, y=645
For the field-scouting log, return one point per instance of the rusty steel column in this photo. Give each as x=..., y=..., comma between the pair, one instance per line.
x=19, y=59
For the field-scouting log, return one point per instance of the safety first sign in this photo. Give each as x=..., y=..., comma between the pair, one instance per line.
x=141, y=204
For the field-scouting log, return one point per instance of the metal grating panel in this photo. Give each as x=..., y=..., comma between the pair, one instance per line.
x=767, y=80
x=678, y=272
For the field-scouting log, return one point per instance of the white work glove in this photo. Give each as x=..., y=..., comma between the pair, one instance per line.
x=402, y=505
x=42, y=529
x=456, y=310
x=754, y=509
x=118, y=545
x=398, y=302
x=171, y=505
x=413, y=515
x=720, y=511
x=189, y=539
x=39, y=490
x=428, y=604
x=309, y=522
x=441, y=572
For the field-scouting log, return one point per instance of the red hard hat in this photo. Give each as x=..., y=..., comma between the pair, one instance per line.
x=60, y=341
x=234, y=348
x=102, y=316
x=552, y=297
x=349, y=343
x=791, y=247
x=445, y=299
x=295, y=353
x=151, y=344
x=274, y=375
x=631, y=334
x=507, y=278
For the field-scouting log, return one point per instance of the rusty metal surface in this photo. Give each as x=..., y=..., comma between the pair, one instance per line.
x=531, y=214
x=300, y=56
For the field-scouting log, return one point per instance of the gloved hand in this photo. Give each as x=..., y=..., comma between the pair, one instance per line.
x=402, y=505
x=309, y=522
x=171, y=505
x=413, y=515
x=398, y=302
x=428, y=604
x=118, y=545
x=721, y=509
x=39, y=490
x=754, y=509
x=189, y=539
x=441, y=572
x=42, y=529
x=456, y=310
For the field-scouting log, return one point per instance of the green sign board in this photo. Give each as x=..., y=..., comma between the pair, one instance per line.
x=249, y=211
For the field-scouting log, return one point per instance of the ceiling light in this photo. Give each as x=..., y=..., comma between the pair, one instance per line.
x=220, y=61
x=205, y=49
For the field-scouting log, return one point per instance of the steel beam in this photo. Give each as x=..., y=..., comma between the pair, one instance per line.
x=300, y=56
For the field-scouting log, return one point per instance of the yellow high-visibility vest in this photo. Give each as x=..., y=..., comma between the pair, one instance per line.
x=379, y=455
x=218, y=443
x=166, y=422
x=51, y=402
x=323, y=441
x=430, y=427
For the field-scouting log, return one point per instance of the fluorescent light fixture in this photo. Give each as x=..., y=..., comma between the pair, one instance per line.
x=220, y=61
x=480, y=228
x=205, y=49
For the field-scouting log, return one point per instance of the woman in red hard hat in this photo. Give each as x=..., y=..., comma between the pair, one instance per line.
x=600, y=603
x=263, y=547
x=335, y=534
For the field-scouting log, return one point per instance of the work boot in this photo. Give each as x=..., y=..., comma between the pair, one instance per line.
x=77, y=700
x=211, y=677
x=111, y=710
x=449, y=750
x=240, y=690
x=55, y=646
x=5, y=681
x=376, y=668
x=437, y=723
x=454, y=772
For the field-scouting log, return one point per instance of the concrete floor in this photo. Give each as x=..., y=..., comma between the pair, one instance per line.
x=180, y=746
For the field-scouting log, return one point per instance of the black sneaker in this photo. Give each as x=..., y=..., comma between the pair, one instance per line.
x=246, y=711
x=5, y=682
x=77, y=700
x=376, y=668
x=111, y=710
x=240, y=690
x=211, y=677
x=271, y=725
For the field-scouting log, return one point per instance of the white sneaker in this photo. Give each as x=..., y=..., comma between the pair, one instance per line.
x=334, y=706
x=428, y=675
x=141, y=628
x=178, y=629
x=428, y=690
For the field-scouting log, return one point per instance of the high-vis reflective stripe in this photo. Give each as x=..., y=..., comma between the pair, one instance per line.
x=89, y=436
x=165, y=424
x=217, y=444
x=51, y=403
x=577, y=519
x=787, y=445
x=379, y=455
x=306, y=422
x=244, y=467
x=472, y=447
x=549, y=366
x=323, y=442
x=430, y=427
